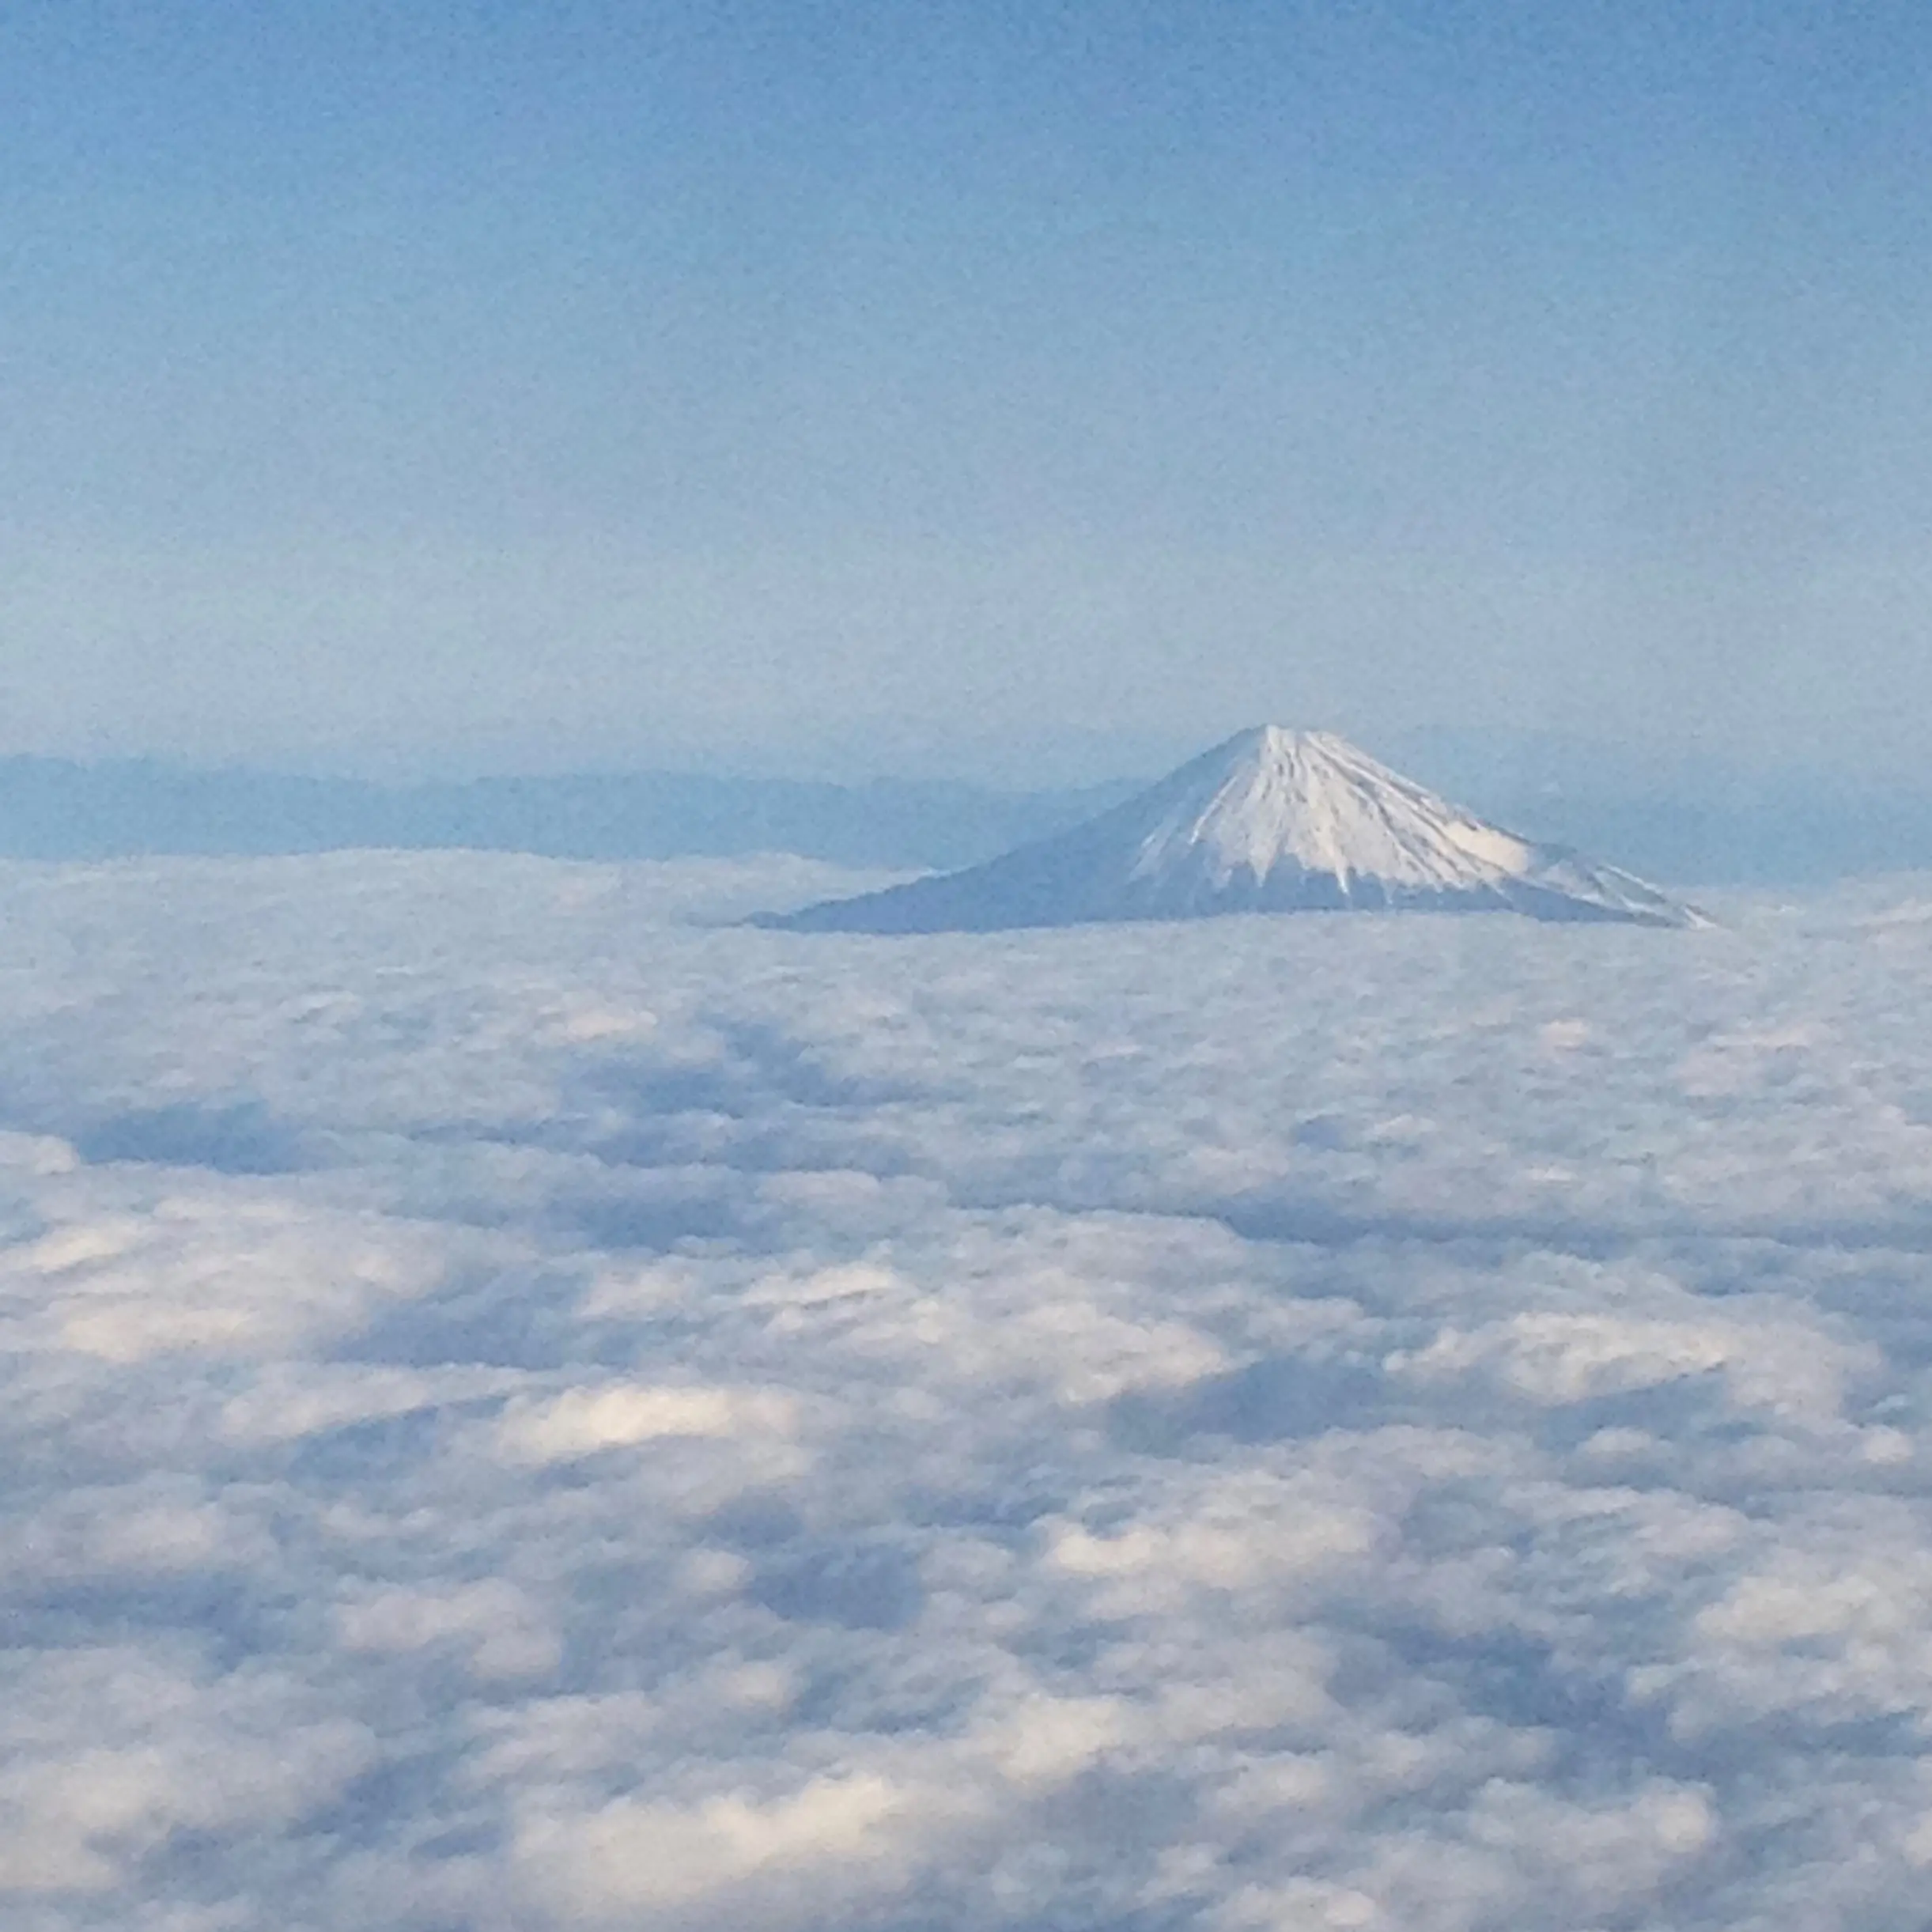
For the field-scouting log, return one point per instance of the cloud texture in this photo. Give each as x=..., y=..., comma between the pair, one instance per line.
x=529, y=1407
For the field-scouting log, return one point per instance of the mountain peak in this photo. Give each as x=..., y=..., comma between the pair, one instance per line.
x=1270, y=820
x=1270, y=798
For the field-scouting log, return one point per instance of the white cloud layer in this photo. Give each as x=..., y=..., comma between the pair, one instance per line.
x=528, y=1406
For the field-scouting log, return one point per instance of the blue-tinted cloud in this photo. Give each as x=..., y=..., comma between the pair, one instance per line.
x=1328, y=1422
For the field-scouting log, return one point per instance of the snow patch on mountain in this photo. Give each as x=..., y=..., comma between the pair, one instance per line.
x=1273, y=820
x=1272, y=798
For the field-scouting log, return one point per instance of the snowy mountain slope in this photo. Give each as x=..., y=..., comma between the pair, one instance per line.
x=1271, y=821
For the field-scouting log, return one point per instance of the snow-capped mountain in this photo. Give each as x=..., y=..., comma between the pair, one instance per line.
x=1271, y=821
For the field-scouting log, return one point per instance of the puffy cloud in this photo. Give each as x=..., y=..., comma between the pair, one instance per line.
x=528, y=1405
x=501, y=1632
x=181, y=1271
x=630, y=1858
x=581, y=1421
x=113, y=1754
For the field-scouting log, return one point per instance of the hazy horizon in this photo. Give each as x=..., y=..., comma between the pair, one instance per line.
x=912, y=751
x=1692, y=821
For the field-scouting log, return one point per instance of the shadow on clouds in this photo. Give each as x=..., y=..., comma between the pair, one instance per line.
x=1278, y=1399
x=242, y=1138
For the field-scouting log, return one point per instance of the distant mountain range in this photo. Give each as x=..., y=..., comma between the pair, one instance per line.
x=1695, y=822
x=52, y=808
x=1691, y=819
x=1270, y=821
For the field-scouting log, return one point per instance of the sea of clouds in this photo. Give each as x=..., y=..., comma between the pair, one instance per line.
x=528, y=1405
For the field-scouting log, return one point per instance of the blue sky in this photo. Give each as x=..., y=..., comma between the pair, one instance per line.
x=987, y=387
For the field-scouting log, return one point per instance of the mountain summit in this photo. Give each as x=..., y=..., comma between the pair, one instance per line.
x=1273, y=821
